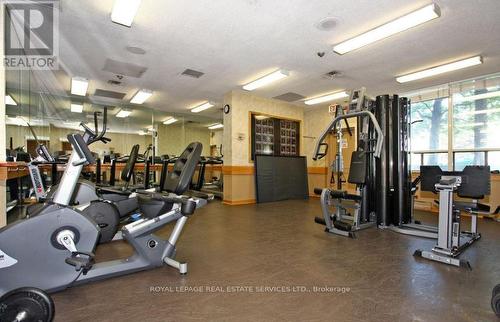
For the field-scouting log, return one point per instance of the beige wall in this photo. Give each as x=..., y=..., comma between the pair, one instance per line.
x=173, y=139
x=19, y=134
x=216, y=137
x=242, y=103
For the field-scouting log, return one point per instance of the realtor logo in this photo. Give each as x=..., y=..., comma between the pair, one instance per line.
x=31, y=34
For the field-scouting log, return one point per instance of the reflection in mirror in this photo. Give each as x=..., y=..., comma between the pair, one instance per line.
x=44, y=111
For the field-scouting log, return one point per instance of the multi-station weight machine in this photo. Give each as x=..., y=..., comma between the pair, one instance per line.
x=369, y=147
x=380, y=169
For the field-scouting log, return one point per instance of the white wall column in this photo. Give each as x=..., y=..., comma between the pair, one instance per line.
x=3, y=141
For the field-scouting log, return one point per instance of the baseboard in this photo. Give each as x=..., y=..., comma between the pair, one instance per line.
x=239, y=202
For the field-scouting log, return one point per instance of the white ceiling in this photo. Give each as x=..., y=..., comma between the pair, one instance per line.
x=236, y=41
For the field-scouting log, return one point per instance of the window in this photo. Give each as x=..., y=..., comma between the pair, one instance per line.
x=494, y=160
x=440, y=159
x=476, y=118
x=416, y=161
x=429, y=130
x=475, y=114
x=461, y=159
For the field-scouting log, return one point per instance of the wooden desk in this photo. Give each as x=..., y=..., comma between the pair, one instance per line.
x=13, y=170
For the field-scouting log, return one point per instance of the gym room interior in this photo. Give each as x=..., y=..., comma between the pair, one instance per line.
x=249, y=160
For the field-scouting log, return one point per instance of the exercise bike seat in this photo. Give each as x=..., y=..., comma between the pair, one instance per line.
x=152, y=207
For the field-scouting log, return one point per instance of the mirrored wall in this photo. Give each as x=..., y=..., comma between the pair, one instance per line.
x=37, y=116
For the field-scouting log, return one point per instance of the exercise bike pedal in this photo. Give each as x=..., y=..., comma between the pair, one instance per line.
x=82, y=261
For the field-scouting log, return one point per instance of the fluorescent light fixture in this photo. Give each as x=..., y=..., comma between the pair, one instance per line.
x=403, y=23
x=79, y=86
x=277, y=75
x=71, y=125
x=123, y=113
x=170, y=120
x=9, y=100
x=15, y=120
x=202, y=107
x=326, y=98
x=76, y=108
x=124, y=11
x=461, y=98
x=141, y=96
x=216, y=126
x=441, y=69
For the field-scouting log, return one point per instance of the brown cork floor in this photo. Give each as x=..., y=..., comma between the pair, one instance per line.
x=278, y=245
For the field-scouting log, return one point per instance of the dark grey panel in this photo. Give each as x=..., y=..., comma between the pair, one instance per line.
x=109, y=94
x=280, y=178
x=192, y=73
x=289, y=97
x=126, y=69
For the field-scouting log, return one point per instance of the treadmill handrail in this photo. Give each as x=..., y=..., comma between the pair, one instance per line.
x=380, y=134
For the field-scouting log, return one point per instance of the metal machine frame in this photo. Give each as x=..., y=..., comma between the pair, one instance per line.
x=451, y=240
x=341, y=222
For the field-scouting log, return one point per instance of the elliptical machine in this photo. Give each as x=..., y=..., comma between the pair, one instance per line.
x=59, y=245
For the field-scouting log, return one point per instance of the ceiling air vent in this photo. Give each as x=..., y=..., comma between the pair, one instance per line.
x=332, y=75
x=289, y=97
x=109, y=94
x=121, y=68
x=114, y=82
x=192, y=73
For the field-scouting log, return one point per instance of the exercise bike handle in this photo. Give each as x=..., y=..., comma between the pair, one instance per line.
x=94, y=135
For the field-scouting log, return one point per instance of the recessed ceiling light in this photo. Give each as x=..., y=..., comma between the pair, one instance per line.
x=9, y=100
x=216, y=126
x=123, y=113
x=124, y=11
x=277, y=75
x=76, y=108
x=135, y=50
x=403, y=23
x=141, y=96
x=327, y=23
x=441, y=69
x=202, y=107
x=170, y=120
x=326, y=98
x=79, y=86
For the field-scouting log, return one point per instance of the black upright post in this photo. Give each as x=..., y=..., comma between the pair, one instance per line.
x=147, y=174
x=405, y=172
x=381, y=113
x=112, y=175
x=98, y=171
x=54, y=177
x=392, y=162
